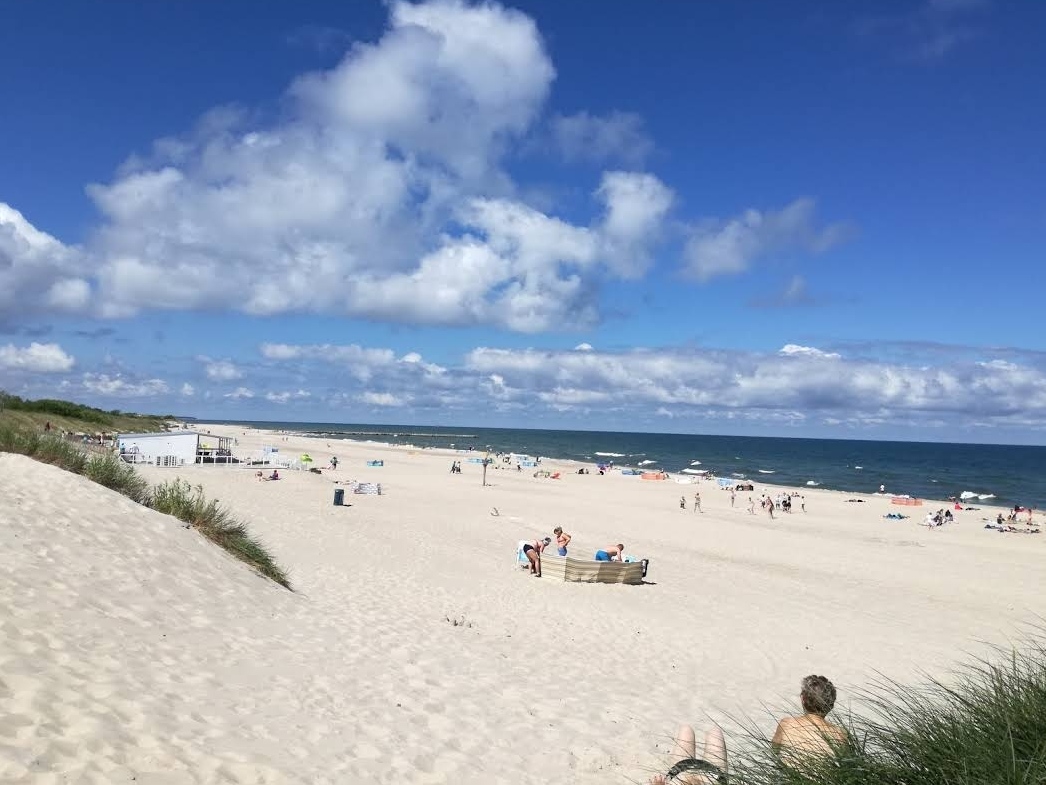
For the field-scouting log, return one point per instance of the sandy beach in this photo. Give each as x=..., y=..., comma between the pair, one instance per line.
x=414, y=649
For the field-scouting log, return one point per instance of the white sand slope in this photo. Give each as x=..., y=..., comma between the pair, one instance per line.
x=133, y=647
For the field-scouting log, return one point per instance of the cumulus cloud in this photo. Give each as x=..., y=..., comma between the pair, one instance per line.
x=119, y=386
x=799, y=379
x=240, y=393
x=284, y=397
x=220, y=370
x=382, y=399
x=380, y=194
x=35, y=358
x=36, y=270
x=717, y=247
x=188, y=390
x=794, y=350
x=618, y=136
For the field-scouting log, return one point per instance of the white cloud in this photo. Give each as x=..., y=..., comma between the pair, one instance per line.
x=35, y=358
x=636, y=206
x=617, y=136
x=120, y=387
x=284, y=397
x=583, y=347
x=794, y=349
x=220, y=370
x=188, y=390
x=382, y=194
x=383, y=399
x=36, y=270
x=717, y=247
x=797, y=379
x=240, y=393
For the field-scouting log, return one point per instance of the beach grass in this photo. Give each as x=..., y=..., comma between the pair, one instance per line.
x=985, y=726
x=43, y=447
x=187, y=503
x=109, y=470
x=173, y=498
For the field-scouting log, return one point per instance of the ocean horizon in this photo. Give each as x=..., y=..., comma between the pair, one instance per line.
x=995, y=474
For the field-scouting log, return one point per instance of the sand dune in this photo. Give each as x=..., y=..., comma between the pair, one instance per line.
x=132, y=647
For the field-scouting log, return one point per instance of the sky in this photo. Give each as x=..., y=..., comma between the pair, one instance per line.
x=813, y=219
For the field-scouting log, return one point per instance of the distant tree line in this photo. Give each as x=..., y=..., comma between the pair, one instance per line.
x=60, y=409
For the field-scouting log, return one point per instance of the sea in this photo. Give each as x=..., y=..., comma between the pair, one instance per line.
x=992, y=474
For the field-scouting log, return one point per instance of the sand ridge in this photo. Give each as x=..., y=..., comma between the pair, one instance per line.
x=137, y=646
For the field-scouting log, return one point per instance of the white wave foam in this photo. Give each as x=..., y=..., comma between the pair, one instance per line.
x=767, y=471
x=858, y=467
x=812, y=483
x=611, y=454
x=983, y=496
x=695, y=463
x=646, y=463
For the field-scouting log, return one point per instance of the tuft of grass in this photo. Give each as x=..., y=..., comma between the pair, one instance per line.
x=174, y=498
x=188, y=504
x=45, y=448
x=109, y=470
x=987, y=727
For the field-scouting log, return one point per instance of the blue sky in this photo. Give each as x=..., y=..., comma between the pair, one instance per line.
x=810, y=219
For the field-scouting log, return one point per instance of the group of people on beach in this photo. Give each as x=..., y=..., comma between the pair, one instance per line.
x=797, y=739
x=532, y=550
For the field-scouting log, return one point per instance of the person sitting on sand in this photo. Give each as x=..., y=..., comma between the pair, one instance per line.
x=810, y=735
x=532, y=550
x=709, y=769
x=275, y=475
x=562, y=540
x=611, y=553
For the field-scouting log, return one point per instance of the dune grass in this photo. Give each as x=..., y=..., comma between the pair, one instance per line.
x=187, y=503
x=173, y=498
x=986, y=726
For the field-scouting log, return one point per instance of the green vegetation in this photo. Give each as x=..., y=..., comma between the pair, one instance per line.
x=187, y=503
x=173, y=498
x=989, y=726
x=107, y=469
x=74, y=417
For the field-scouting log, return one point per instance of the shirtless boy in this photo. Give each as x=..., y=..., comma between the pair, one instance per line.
x=611, y=553
x=562, y=540
x=811, y=734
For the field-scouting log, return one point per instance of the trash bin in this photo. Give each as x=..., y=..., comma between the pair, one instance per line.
x=339, y=497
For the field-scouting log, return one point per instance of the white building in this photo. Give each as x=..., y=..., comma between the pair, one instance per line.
x=173, y=448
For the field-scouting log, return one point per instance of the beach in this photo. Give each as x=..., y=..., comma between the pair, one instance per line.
x=414, y=649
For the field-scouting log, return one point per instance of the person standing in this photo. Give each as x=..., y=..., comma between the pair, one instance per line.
x=682, y=502
x=562, y=540
x=733, y=495
x=751, y=506
x=697, y=501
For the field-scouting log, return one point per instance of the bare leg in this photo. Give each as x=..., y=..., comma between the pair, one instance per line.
x=686, y=747
x=686, y=742
x=715, y=748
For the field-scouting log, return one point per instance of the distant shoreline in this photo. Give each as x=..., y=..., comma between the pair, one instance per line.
x=759, y=480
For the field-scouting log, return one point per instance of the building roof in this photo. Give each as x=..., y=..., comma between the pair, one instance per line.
x=156, y=433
